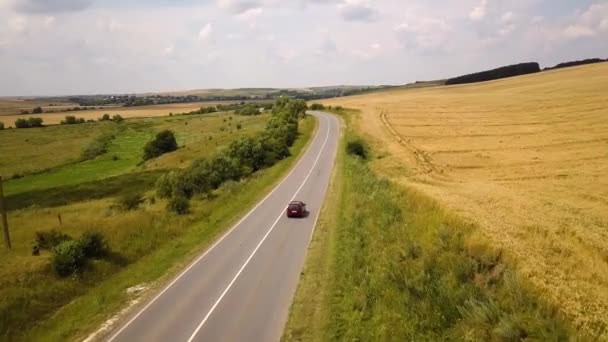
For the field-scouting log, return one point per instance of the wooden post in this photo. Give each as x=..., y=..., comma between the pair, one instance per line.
x=7, y=237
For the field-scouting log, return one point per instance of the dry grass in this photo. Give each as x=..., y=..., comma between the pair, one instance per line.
x=523, y=158
x=125, y=112
x=10, y=106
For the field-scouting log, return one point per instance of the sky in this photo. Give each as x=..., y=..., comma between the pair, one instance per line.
x=61, y=47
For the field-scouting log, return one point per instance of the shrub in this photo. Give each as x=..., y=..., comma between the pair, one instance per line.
x=356, y=147
x=97, y=147
x=239, y=126
x=105, y=117
x=165, y=185
x=94, y=245
x=317, y=106
x=163, y=143
x=35, y=122
x=68, y=258
x=117, y=118
x=131, y=201
x=1, y=126
x=37, y=110
x=72, y=120
x=50, y=239
x=179, y=205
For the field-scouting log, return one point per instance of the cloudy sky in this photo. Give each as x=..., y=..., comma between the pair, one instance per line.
x=50, y=47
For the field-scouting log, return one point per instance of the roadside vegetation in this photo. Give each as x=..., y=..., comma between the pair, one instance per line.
x=388, y=264
x=80, y=244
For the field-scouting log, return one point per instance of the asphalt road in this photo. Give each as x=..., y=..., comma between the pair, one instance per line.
x=241, y=288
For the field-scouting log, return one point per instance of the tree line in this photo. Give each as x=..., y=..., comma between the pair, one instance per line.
x=495, y=74
x=242, y=158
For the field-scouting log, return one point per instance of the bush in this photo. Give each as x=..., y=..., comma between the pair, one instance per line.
x=72, y=120
x=1, y=126
x=165, y=185
x=179, y=205
x=50, y=239
x=94, y=245
x=28, y=123
x=356, y=147
x=239, y=126
x=117, y=118
x=68, y=258
x=163, y=143
x=37, y=110
x=105, y=117
x=317, y=106
x=131, y=202
x=97, y=147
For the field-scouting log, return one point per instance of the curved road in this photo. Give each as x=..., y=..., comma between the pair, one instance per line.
x=241, y=288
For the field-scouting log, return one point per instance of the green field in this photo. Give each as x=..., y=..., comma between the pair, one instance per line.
x=198, y=135
x=37, y=305
x=388, y=264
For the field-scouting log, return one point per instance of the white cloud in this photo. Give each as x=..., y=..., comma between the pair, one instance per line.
x=507, y=18
x=577, y=31
x=239, y=6
x=205, y=33
x=168, y=51
x=479, y=12
x=423, y=34
x=537, y=19
x=357, y=10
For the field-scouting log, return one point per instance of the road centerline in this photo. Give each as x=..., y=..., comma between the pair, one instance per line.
x=217, y=302
x=224, y=236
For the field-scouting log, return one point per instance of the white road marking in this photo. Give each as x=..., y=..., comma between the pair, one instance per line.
x=214, y=245
x=260, y=243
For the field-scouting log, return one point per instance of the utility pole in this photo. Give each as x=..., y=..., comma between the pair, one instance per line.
x=7, y=236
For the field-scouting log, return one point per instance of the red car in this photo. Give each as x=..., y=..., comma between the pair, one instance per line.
x=296, y=209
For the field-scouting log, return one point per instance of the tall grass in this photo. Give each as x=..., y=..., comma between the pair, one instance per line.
x=402, y=269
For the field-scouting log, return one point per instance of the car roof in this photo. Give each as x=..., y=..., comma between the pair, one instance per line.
x=296, y=202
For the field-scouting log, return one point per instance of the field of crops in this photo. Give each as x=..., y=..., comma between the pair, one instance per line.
x=525, y=159
x=126, y=112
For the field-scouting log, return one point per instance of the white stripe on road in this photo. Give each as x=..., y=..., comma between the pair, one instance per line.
x=261, y=242
x=212, y=247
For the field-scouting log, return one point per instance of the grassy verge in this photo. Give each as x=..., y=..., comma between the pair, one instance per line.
x=154, y=247
x=387, y=263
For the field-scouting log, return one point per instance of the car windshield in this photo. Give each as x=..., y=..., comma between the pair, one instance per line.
x=294, y=207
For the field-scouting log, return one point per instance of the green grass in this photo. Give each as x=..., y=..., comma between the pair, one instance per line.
x=150, y=247
x=25, y=151
x=125, y=152
x=388, y=264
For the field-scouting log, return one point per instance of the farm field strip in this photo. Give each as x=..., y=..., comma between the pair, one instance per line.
x=126, y=112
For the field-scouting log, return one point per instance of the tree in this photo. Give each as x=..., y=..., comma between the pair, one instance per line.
x=28, y=123
x=21, y=123
x=69, y=120
x=163, y=143
x=317, y=106
x=37, y=110
x=105, y=117
x=117, y=118
x=34, y=122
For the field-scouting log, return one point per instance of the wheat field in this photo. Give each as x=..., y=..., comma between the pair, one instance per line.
x=524, y=159
x=126, y=112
